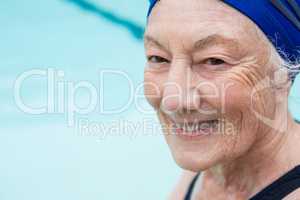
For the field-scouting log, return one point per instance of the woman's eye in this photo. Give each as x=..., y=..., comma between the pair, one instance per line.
x=157, y=59
x=214, y=61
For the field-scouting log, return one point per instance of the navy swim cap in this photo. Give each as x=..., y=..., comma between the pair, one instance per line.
x=278, y=19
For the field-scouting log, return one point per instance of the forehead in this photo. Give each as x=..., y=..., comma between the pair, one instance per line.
x=191, y=20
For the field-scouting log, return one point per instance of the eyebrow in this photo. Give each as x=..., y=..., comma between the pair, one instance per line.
x=211, y=40
x=216, y=39
x=151, y=40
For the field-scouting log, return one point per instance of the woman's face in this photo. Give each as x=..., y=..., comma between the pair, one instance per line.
x=205, y=59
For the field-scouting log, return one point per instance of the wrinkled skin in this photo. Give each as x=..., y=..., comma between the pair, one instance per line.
x=189, y=79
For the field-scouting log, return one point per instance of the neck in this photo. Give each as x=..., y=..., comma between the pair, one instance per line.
x=273, y=155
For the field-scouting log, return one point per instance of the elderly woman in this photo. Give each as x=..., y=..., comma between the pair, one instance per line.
x=218, y=75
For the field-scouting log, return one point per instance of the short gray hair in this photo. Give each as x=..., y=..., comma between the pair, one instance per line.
x=291, y=65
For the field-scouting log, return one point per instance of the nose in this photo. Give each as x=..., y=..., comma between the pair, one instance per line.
x=179, y=93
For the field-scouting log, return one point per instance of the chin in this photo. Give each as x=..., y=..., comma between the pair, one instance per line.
x=194, y=166
x=198, y=152
x=207, y=152
x=196, y=159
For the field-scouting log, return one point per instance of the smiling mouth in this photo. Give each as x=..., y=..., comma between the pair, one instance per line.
x=196, y=129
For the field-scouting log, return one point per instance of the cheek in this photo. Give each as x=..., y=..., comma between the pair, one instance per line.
x=242, y=127
x=234, y=104
x=153, y=85
x=236, y=99
x=242, y=103
x=247, y=90
x=256, y=92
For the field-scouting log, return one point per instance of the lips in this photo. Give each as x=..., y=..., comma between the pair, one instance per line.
x=194, y=129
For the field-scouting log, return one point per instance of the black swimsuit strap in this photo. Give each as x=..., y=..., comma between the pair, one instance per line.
x=188, y=195
x=277, y=190
x=282, y=187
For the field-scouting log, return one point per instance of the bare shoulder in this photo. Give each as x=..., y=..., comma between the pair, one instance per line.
x=294, y=195
x=182, y=185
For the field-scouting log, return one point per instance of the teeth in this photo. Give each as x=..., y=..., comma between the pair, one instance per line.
x=189, y=128
x=192, y=127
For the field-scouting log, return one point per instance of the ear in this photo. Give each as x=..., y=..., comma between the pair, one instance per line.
x=279, y=79
x=280, y=85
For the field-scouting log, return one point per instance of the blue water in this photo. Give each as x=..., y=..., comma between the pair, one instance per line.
x=42, y=156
